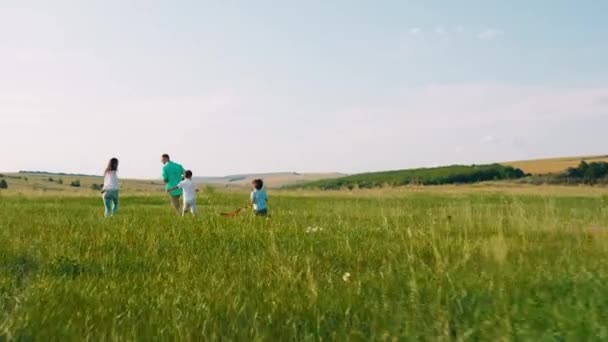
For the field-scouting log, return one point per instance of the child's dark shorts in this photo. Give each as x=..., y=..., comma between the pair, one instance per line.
x=262, y=212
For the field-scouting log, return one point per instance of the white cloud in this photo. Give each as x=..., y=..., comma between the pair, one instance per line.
x=488, y=139
x=489, y=34
x=440, y=30
x=415, y=31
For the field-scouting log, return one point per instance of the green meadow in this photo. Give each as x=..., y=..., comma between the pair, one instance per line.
x=424, y=264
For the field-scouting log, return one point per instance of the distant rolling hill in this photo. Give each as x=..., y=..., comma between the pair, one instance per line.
x=271, y=180
x=49, y=181
x=41, y=181
x=454, y=174
x=553, y=165
x=46, y=181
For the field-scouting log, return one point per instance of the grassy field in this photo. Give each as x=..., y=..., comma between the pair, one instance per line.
x=440, y=263
x=553, y=165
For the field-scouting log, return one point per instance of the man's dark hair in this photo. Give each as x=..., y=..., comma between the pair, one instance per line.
x=258, y=184
x=166, y=156
x=188, y=174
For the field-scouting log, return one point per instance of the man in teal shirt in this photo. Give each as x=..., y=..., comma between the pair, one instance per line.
x=172, y=175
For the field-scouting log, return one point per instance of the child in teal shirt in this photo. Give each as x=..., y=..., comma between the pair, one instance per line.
x=259, y=198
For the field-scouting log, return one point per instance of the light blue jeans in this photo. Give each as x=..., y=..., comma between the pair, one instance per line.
x=110, y=201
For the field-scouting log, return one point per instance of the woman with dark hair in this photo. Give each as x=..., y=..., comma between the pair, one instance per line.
x=110, y=188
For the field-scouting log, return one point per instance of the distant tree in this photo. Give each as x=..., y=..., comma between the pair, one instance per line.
x=51, y=179
x=96, y=187
x=588, y=173
x=75, y=183
x=3, y=184
x=595, y=172
x=574, y=172
x=60, y=181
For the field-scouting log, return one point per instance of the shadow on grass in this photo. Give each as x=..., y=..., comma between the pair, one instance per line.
x=19, y=266
x=70, y=268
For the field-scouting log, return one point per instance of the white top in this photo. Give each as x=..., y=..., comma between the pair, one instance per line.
x=110, y=181
x=259, y=199
x=189, y=190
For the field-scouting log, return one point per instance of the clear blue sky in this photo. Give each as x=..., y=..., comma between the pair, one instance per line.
x=256, y=86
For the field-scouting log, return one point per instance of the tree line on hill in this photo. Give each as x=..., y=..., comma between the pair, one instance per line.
x=589, y=173
x=455, y=174
x=57, y=173
x=585, y=173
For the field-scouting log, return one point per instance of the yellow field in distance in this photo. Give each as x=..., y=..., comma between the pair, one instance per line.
x=553, y=165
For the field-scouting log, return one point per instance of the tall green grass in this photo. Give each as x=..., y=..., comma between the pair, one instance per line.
x=413, y=266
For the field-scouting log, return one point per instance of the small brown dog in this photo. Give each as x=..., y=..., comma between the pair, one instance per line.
x=232, y=213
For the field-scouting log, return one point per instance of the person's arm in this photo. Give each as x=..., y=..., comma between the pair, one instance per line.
x=105, y=183
x=178, y=186
x=165, y=176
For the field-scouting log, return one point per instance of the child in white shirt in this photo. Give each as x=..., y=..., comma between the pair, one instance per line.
x=190, y=191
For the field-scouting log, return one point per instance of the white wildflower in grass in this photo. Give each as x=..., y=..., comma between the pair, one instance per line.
x=313, y=229
x=346, y=277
